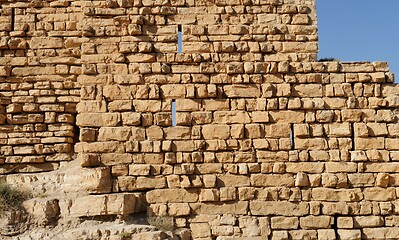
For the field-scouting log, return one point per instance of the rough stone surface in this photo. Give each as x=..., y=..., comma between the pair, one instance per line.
x=240, y=134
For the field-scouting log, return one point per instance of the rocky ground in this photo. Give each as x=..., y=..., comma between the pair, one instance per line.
x=60, y=207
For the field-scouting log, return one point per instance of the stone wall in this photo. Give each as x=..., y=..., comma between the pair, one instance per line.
x=39, y=65
x=267, y=143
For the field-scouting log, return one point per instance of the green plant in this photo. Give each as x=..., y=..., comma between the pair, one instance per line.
x=164, y=223
x=125, y=235
x=42, y=195
x=10, y=197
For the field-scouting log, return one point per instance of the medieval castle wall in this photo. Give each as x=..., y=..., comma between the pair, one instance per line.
x=241, y=134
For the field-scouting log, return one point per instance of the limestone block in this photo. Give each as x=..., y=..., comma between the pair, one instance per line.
x=89, y=160
x=349, y=234
x=302, y=180
x=368, y=221
x=5, y=71
x=265, y=208
x=172, y=196
x=179, y=209
x=220, y=209
x=97, y=119
x=381, y=233
x=110, y=159
x=91, y=107
x=280, y=235
x=307, y=167
x=102, y=205
x=143, y=183
x=216, y=131
x=260, y=117
x=311, y=143
x=287, y=116
x=326, y=234
x=300, y=47
x=177, y=133
x=90, y=180
x=272, y=180
x=379, y=194
x=187, y=105
x=200, y=230
x=114, y=133
x=230, y=180
x=216, y=104
x=268, y=156
x=332, y=167
x=392, y=144
x=147, y=105
x=131, y=118
x=242, y=91
x=316, y=222
x=202, y=117
x=173, y=91
x=336, y=195
x=46, y=42
x=284, y=223
x=209, y=195
x=231, y=117
x=44, y=211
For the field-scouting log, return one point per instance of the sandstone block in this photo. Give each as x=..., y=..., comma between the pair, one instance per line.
x=242, y=91
x=200, y=230
x=44, y=211
x=272, y=180
x=172, y=196
x=264, y=208
x=284, y=223
x=179, y=209
x=220, y=208
x=381, y=233
x=336, y=195
x=349, y=234
x=102, y=205
x=90, y=180
x=316, y=222
x=230, y=117
x=177, y=133
x=110, y=159
x=97, y=119
x=379, y=194
x=326, y=234
x=46, y=42
x=216, y=131
x=368, y=221
x=114, y=133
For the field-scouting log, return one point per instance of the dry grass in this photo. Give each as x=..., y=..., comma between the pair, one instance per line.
x=10, y=197
x=164, y=223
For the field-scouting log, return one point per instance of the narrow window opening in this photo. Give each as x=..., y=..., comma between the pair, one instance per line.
x=352, y=136
x=292, y=137
x=12, y=19
x=179, y=39
x=174, y=122
x=35, y=22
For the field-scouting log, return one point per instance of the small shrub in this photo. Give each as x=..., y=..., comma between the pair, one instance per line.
x=42, y=195
x=125, y=235
x=10, y=198
x=164, y=223
x=328, y=60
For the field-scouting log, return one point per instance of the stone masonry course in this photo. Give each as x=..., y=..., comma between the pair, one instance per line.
x=240, y=134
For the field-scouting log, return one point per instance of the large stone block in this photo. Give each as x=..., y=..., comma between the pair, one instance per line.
x=103, y=205
x=267, y=208
x=172, y=196
x=98, y=119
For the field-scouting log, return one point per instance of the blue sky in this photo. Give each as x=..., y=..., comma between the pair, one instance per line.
x=360, y=30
